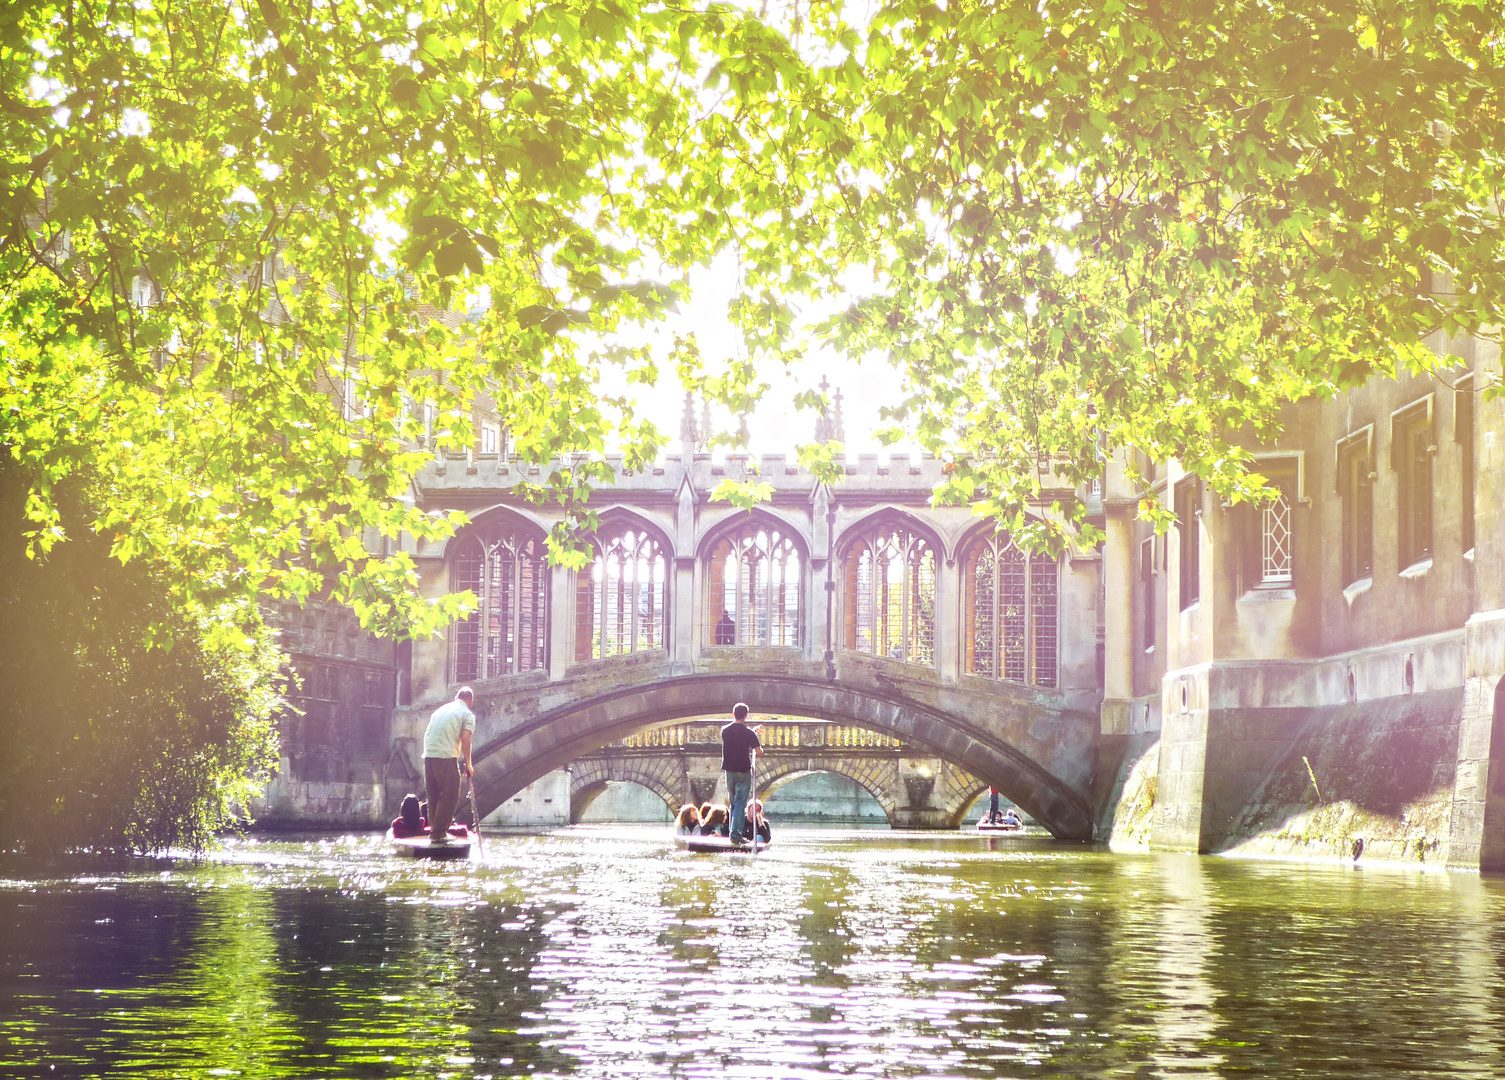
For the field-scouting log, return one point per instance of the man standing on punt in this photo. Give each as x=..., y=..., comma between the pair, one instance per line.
x=738, y=745
x=446, y=753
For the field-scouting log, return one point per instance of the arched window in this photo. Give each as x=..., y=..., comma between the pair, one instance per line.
x=1011, y=612
x=754, y=587
x=890, y=595
x=621, y=600
x=504, y=567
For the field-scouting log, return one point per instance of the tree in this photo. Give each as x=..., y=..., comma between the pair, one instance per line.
x=112, y=743
x=1103, y=224
x=241, y=242
x=247, y=232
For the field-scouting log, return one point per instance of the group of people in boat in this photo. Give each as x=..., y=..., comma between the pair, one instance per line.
x=715, y=819
x=1009, y=818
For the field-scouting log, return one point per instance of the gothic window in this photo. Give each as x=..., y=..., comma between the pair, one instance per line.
x=1147, y=590
x=1189, y=535
x=1012, y=612
x=1411, y=448
x=1355, y=488
x=504, y=567
x=622, y=599
x=1268, y=527
x=754, y=587
x=1463, y=434
x=890, y=595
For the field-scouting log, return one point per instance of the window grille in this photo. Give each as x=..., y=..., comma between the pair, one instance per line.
x=622, y=599
x=756, y=588
x=505, y=634
x=1276, y=539
x=890, y=595
x=1012, y=606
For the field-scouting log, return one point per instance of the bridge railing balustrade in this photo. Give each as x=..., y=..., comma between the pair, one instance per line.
x=788, y=736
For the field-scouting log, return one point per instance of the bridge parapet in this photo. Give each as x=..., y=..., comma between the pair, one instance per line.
x=777, y=734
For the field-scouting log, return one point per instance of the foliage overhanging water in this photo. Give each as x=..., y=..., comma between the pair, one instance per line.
x=605, y=952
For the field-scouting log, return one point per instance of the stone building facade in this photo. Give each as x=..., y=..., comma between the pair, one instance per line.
x=1319, y=674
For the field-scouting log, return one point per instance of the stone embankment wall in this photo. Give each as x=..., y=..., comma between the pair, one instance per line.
x=1372, y=781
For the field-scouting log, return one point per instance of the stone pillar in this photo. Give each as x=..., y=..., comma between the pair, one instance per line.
x=561, y=620
x=431, y=655
x=1477, y=839
x=819, y=625
x=948, y=601
x=1119, y=505
x=915, y=795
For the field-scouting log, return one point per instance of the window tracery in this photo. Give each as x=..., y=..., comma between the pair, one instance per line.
x=622, y=599
x=1012, y=621
x=754, y=587
x=889, y=597
x=505, y=635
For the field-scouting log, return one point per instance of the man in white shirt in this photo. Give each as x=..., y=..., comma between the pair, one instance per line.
x=446, y=753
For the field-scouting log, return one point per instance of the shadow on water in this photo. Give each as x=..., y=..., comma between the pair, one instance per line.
x=604, y=951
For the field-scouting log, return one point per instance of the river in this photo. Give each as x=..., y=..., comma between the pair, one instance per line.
x=604, y=952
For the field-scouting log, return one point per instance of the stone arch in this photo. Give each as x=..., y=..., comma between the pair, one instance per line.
x=502, y=558
x=586, y=604
x=881, y=514
x=865, y=774
x=589, y=778
x=1042, y=756
x=795, y=528
x=896, y=619
x=489, y=516
x=443, y=547
x=612, y=518
x=754, y=603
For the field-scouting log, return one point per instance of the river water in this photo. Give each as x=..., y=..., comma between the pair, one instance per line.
x=605, y=952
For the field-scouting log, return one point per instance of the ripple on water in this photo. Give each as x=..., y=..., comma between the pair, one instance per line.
x=607, y=952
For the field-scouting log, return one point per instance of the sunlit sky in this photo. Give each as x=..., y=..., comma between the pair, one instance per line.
x=775, y=426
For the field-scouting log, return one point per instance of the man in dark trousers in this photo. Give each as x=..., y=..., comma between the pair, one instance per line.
x=446, y=753
x=738, y=745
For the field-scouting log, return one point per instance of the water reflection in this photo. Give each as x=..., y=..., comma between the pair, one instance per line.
x=605, y=952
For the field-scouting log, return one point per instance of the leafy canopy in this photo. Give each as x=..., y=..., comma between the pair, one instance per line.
x=1099, y=225
x=1086, y=226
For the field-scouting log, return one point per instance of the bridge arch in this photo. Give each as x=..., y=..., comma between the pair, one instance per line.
x=864, y=776
x=589, y=779
x=1039, y=755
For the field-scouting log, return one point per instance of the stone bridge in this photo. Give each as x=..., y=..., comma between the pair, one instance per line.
x=858, y=604
x=1040, y=755
x=682, y=763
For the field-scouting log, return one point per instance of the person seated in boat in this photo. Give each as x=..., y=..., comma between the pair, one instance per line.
x=1012, y=819
x=705, y=810
x=715, y=823
x=688, y=820
x=765, y=833
x=410, y=821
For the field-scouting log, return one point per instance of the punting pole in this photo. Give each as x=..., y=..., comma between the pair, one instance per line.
x=475, y=815
x=752, y=799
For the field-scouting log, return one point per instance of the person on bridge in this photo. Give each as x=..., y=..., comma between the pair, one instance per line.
x=738, y=745
x=446, y=754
